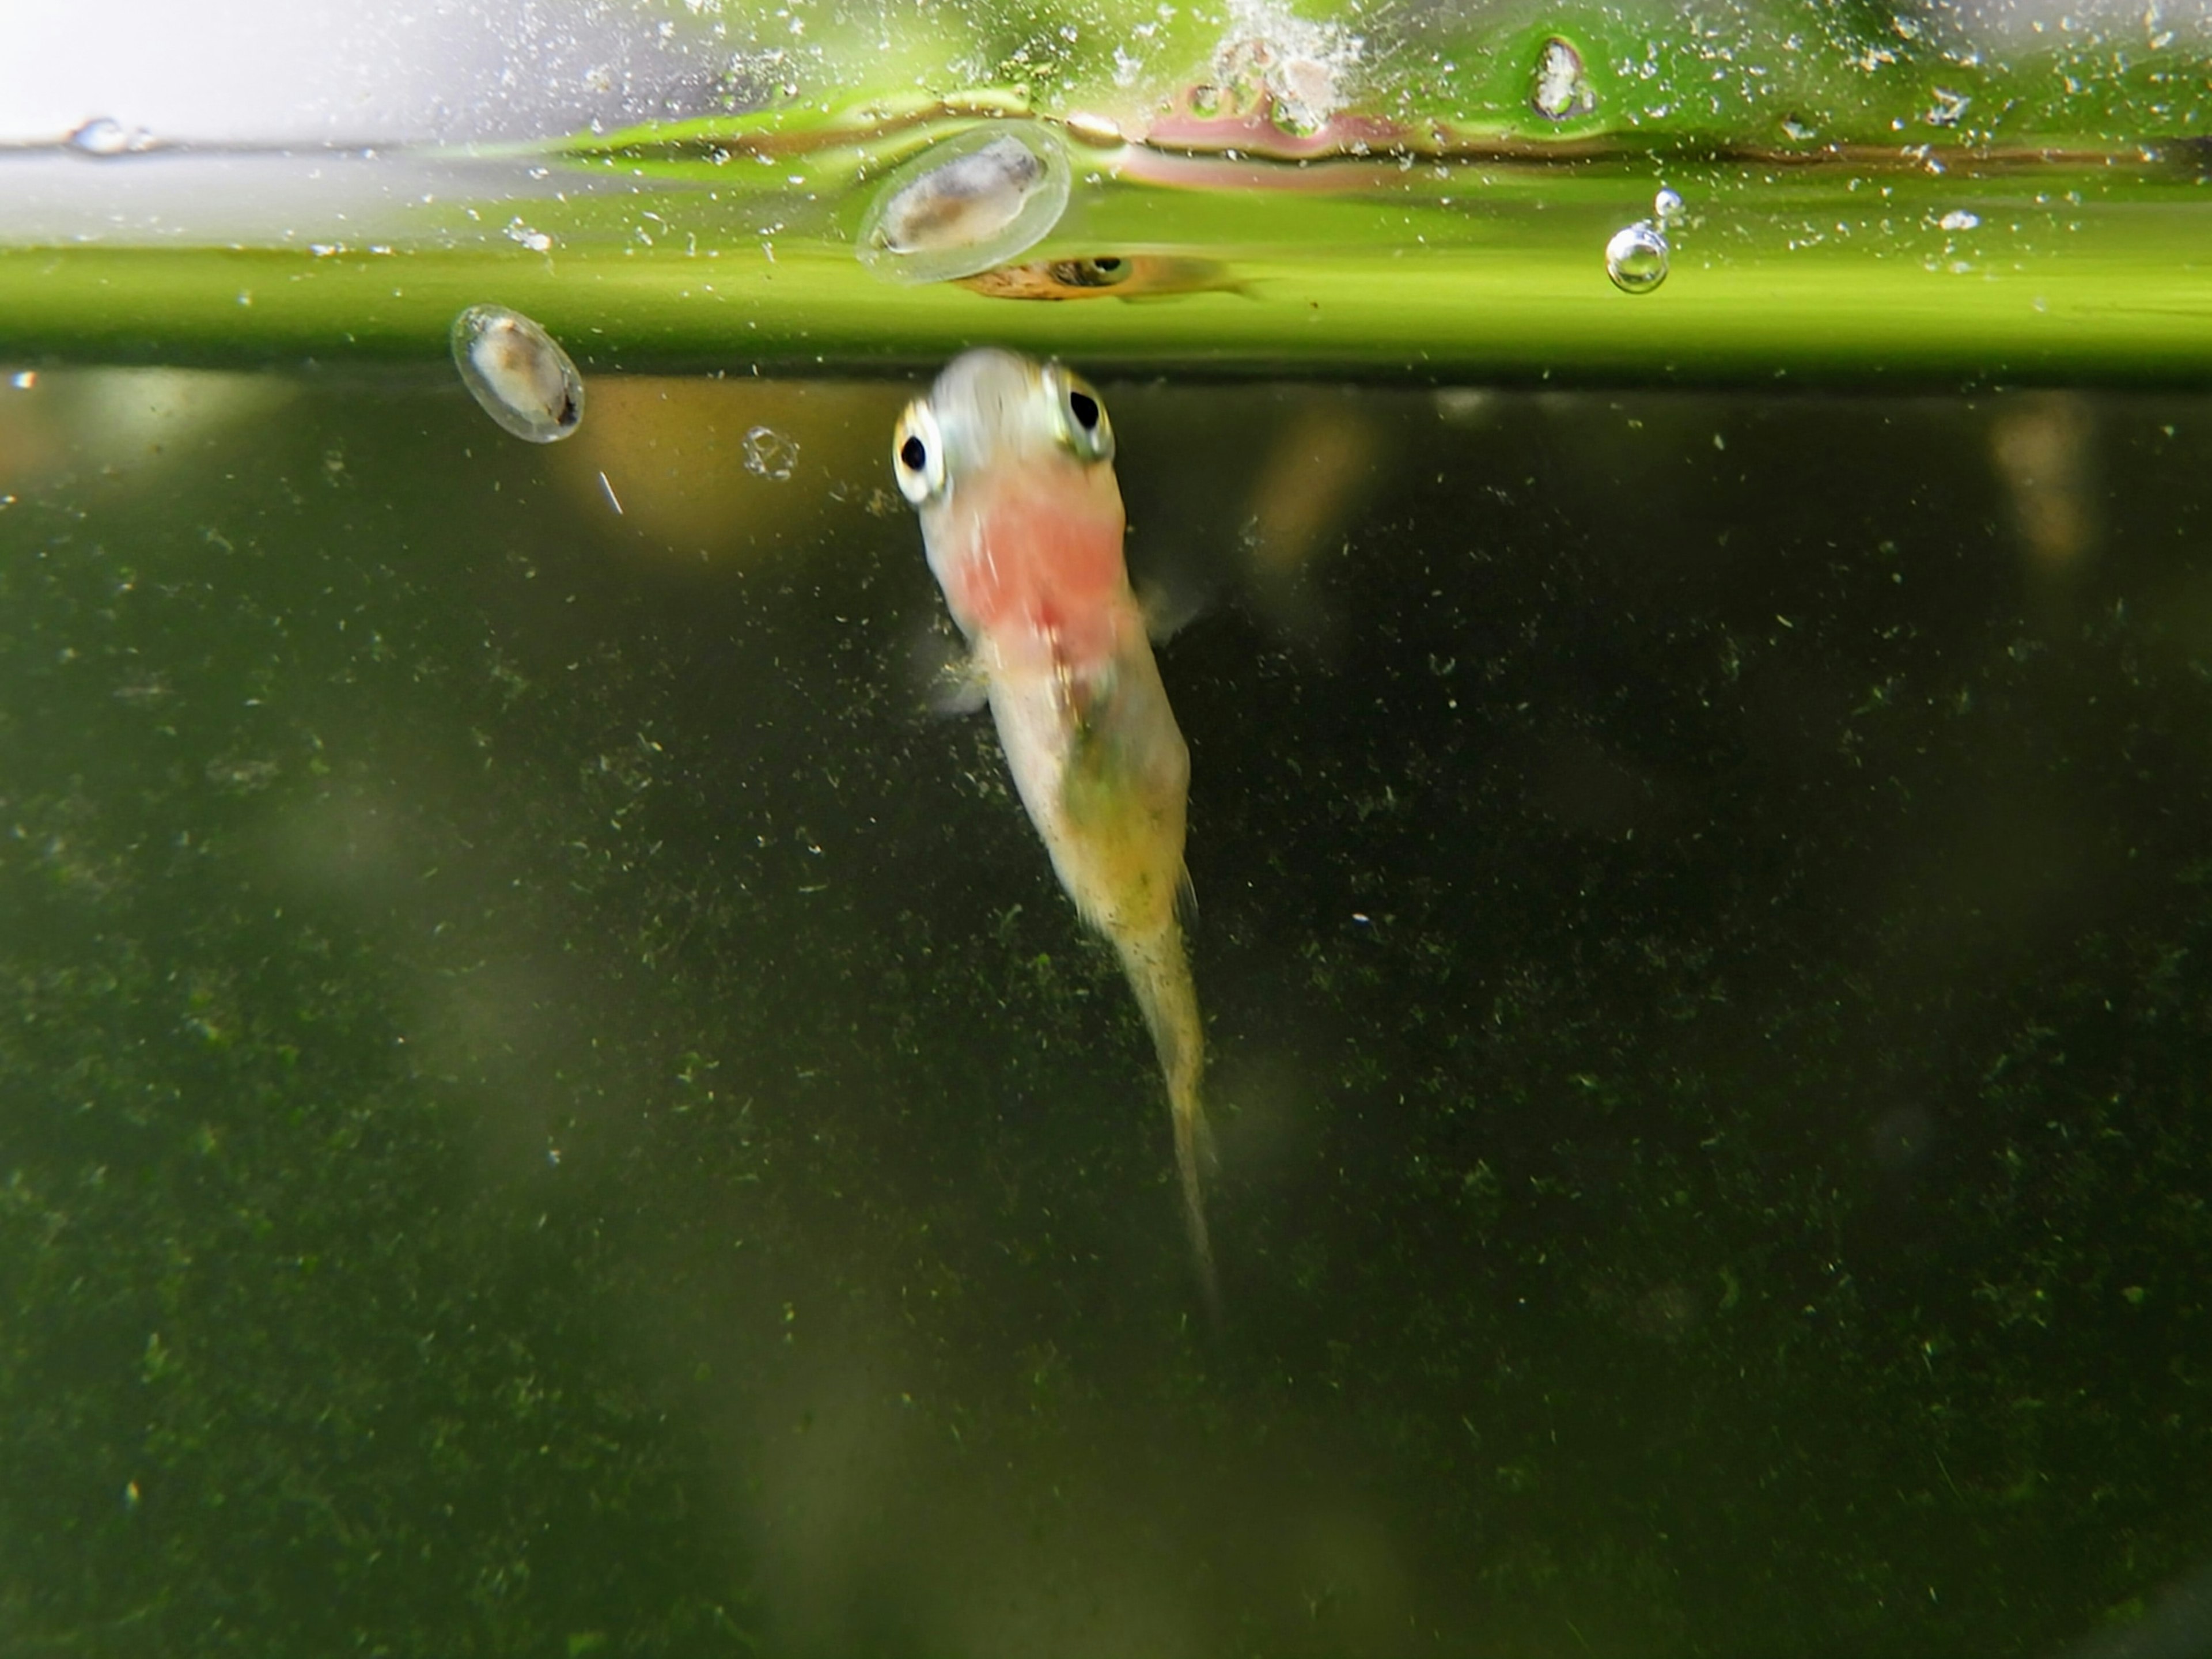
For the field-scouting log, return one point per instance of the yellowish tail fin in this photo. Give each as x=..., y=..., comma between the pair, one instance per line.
x=1159, y=973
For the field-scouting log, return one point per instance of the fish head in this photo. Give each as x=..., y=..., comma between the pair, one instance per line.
x=1105, y=277
x=1010, y=463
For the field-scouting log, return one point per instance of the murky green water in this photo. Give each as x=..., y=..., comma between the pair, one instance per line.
x=551, y=1108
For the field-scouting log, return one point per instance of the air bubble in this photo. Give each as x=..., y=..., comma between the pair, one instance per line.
x=1636, y=257
x=1664, y=206
x=103, y=135
x=967, y=203
x=1562, y=89
x=1959, y=219
x=770, y=454
x=519, y=373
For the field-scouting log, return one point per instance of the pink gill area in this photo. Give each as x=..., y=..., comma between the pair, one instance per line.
x=1046, y=564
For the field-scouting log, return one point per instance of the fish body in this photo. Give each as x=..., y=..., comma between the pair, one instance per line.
x=1011, y=464
x=1105, y=277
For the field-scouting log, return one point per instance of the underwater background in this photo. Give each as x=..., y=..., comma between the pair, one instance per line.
x=551, y=1102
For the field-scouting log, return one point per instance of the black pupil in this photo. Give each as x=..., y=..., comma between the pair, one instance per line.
x=1084, y=407
x=912, y=454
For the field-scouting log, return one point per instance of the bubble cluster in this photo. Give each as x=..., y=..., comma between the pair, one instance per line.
x=770, y=454
x=1294, y=71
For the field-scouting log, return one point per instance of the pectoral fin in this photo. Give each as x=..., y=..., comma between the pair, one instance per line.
x=950, y=680
x=960, y=688
x=1170, y=607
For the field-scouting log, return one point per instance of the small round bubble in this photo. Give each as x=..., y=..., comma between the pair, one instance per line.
x=770, y=454
x=1636, y=257
x=518, y=373
x=1666, y=205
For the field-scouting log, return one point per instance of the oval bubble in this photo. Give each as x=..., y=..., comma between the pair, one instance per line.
x=962, y=206
x=1562, y=90
x=1636, y=257
x=102, y=136
x=519, y=373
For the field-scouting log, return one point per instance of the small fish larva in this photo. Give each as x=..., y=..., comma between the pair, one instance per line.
x=519, y=373
x=967, y=203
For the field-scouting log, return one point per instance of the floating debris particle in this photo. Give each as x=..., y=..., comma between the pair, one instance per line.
x=519, y=373
x=966, y=205
x=1636, y=257
x=1959, y=219
x=770, y=454
x=244, y=775
x=1947, y=108
x=1562, y=88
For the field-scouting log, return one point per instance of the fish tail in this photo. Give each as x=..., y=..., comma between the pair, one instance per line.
x=1159, y=972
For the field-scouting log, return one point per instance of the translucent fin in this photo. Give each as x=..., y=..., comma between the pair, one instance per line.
x=1170, y=607
x=1159, y=973
x=1209, y=1155
x=1186, y=904
x=960, y=688
x=1242, y=290
x=944, y=671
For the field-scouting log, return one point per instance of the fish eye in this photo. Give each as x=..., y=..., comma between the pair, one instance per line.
x=1083, y=426
x=918, y=454
x=1101, y=270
